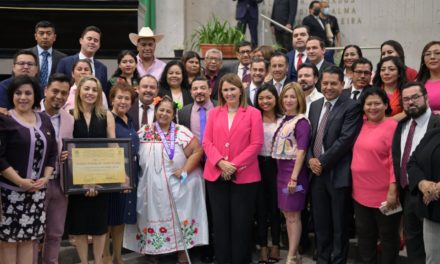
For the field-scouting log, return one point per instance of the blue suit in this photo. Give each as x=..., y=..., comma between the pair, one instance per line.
x=4, y=101
x=247, y=14
x=65, y=66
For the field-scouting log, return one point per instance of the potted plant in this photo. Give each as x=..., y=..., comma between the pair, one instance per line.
x=217, y=34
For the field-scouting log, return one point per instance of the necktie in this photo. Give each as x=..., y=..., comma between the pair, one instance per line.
x=406, y=154
x=145, y=115
x=355, y=94
x=202, y=113
x=44, y=71
x=246, y=75
x=317, y=148
x=279, y=87
x=300, y=60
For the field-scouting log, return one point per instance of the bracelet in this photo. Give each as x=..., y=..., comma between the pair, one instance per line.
x=294, y=180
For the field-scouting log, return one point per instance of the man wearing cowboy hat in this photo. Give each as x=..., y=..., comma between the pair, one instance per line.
x=145, y=42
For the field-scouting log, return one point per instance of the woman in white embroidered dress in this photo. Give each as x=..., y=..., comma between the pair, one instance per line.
x=169, y=157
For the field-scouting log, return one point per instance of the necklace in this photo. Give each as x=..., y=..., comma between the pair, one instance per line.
x=169, y=147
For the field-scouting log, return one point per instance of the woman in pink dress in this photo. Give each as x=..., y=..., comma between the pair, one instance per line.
x=429, y=74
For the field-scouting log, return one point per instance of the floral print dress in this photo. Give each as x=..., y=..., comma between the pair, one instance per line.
x=24, y=217
x=157, y=229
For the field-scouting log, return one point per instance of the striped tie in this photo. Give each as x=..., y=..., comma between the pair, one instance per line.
x=317, y=148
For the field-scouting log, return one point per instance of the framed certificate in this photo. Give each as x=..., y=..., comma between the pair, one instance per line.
x=104, y=164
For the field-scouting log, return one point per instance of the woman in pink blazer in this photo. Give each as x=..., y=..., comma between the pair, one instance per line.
x=232, y=140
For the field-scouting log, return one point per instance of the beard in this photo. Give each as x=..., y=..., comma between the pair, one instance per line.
x=306, y=87
x=416, y=111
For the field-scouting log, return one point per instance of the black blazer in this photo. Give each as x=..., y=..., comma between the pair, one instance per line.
x=316, y=28
x=424, y=165
x=134, y=113
x=186, y=95
x=56, y=57
x=434, y=122
x=231, y=67
x=215, y=92
x=343, y=126
x=284, y=12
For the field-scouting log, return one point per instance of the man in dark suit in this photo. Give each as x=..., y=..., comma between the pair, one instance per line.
x=195, y=116
x=362, y=71
x=407, y=136
x=284, y=12
x=214, y=70
x=315, y=48
x=24, y=62
x=241, y=67
x=278, y=67
x=259, y=70
x=247, y=14
x=336, y=121
x=142, y=110
x=90, y=42
x=297, y=55
x=48, y=57
x=314, y=22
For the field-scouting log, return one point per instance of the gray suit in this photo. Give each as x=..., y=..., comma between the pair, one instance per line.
x=330, y=191
x=56, y=57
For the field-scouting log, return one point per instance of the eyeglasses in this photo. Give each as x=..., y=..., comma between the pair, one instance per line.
x=213, y=59
x=411, y=98
x=245, y=52
x=28, y=63
x=362, y=72
x=435, y=53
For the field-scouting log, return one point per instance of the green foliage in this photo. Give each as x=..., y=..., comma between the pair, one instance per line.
x=217, y=32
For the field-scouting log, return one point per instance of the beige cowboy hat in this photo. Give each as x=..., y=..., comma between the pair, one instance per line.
x=145, y=32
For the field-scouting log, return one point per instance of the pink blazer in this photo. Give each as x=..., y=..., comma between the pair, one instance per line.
x=66, y=131
x=239, y=145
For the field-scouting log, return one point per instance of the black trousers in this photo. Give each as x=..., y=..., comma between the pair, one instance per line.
x=252, y=23
x=371, y=225
x=330, y=220
x=267, y=202
x=413, y=228
x=233, y=208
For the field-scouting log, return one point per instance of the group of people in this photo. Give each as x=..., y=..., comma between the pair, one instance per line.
x=218, y=148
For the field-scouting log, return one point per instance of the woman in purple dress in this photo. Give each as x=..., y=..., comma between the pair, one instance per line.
x=290, y=145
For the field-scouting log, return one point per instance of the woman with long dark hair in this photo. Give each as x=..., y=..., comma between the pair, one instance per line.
x=126, y=71
x=174, y=83
x=429, y=73
x=350, y=54
x=393, y=48
x=267, y=204
x=192, y=62
x=391, y=77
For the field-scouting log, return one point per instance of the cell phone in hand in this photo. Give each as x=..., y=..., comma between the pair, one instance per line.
x=299, y=188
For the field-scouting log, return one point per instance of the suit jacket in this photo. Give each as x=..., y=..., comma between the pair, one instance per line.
x=134, y=113
x=247, y=91
x=65, y=66
x=288, y=80
x=246, y=6
x=325, y=64
x=343, y=125
x=284, y=12
x=66, y=131
x=232, y=67
x=292, y=74
x=56, y=57
x=434, y=122
x=315, y=28
x=184, y=115
x=424, y=165
x=240, y=144
x=215, y=92
x=348, y=91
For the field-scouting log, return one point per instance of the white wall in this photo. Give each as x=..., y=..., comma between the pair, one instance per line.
x=363, y=22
